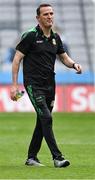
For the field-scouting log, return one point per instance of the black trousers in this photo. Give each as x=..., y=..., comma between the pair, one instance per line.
x=42, y=100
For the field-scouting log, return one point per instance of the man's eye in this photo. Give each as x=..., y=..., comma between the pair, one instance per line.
x=46, y=14
x=51, y=13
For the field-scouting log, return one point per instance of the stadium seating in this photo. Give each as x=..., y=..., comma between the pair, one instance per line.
x=73, y=17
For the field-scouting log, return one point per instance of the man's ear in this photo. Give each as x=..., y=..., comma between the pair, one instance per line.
x=37, y=17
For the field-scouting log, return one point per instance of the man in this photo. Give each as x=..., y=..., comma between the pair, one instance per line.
x=38, y=48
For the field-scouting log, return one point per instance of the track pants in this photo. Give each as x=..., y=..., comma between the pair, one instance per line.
x=43, y=104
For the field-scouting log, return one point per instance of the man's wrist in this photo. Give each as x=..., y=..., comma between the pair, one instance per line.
x=73, y=65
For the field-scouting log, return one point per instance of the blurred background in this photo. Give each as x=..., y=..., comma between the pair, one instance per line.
x=75, y=22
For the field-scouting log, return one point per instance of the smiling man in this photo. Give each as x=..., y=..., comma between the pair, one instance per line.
x=38, y=49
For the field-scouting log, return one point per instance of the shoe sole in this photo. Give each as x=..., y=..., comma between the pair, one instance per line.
x=34, y=164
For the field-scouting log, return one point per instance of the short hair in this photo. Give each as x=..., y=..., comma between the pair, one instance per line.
x=40, y=6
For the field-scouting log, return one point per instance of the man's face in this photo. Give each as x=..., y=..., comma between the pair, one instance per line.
x=46, y=17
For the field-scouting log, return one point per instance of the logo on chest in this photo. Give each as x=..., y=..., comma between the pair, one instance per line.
x=53, y=41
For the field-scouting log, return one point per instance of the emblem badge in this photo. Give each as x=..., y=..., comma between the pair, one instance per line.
x=54, y=41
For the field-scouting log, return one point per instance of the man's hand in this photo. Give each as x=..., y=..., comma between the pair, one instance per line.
x=15, y=69
x=13, y=92
x=78, y=68
x=65, y=59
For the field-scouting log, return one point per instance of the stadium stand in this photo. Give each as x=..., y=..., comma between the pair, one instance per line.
x=73, y=17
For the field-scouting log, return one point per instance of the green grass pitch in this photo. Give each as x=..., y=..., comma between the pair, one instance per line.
x=75, y=135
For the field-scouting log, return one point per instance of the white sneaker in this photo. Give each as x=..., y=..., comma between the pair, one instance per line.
x=61, y=162
x=33, y=162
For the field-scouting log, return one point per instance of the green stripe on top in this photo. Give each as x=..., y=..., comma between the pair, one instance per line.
x=24, y=34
